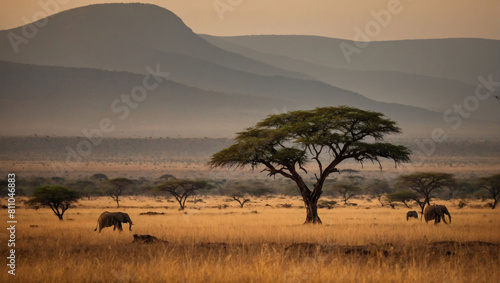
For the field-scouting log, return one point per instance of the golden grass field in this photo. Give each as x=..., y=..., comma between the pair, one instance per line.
x=257, y=243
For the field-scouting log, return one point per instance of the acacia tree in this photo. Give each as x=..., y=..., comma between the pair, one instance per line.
x=347, y=191
x=492, y=185
x=58, y=198
x=57, y=180
x=85, y=188
x=237, y=193
x=403, y=196
x=424, y=183
x=182, y=189
x=240, y=198
x=165, y=177
x=378, y=189
x=118, y=185
x=99, y=177
x=286, y=143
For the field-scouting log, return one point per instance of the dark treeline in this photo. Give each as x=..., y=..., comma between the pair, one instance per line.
x=345, y=188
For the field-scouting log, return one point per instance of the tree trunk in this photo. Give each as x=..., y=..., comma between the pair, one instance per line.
x=380, y=200
x=312, y=211
x=181, y=204
x=422, y=211
x=427, y=201
x=404, y=202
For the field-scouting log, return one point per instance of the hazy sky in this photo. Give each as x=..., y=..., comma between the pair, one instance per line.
x=332, y=18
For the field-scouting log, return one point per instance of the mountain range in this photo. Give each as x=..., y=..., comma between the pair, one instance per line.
x=78, y=67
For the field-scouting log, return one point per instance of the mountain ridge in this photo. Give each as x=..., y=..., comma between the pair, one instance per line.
x=414, y=56
x=215, y=91
x=385, y=86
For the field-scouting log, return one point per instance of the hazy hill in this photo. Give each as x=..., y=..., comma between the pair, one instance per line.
x=120, y=37
x=209, y=92
x=64, y=101
x=432, y=93
x=455, y=59
x=129, y=37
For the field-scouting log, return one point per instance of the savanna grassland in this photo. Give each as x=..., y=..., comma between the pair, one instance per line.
x=262, y=242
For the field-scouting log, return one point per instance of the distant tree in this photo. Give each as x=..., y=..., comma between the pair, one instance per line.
x=481, y=194
x=85, y=188
x=37, y=182
x=285, y=143
x=355, y=179
x=291, y=190
x=165, y=177
x=118, y=186
x=466, y=189
x=378, y=189
x=327, y=204
x=99, y=177
x=57, y=180
x=144, y=187
x=182, y=189
x=240, y=198
x=347, y=191
x=492, y=185
x=236, y=192
x=425, y=183
x=259, y=191
x=58, y=198
x=403, y=196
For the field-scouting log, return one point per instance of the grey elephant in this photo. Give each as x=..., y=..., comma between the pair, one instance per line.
x=436, y=213
x=411, y=214
x=115, y=219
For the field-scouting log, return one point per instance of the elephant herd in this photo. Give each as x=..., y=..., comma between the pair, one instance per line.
x=115, y=219
x=432, y=212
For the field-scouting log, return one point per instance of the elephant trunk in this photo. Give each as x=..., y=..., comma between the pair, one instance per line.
x=130, y=226
x=449, y=217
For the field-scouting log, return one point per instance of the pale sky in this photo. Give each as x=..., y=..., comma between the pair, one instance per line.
x=332, y=18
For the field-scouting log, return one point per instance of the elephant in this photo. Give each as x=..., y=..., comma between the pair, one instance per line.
x=436, y=212
x=411, y=214
x=115, y=219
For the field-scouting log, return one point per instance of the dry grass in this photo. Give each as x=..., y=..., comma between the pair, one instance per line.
x=234, y=244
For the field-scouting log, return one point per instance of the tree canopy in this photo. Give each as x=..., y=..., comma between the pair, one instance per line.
x=182, y=189
x=424, y=183
x=492, y=185
x=347, y=191
x=286, y=144
x=58, y=198
x=378, y=188
x=118, y=185
x=99, y=177
x=403, y=196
